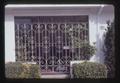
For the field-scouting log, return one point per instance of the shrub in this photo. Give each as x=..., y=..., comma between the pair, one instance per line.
x=19, y=70
x=31, y=71
x=109, y=50
x=88, y=51
x=89, y=70
x=13, y=70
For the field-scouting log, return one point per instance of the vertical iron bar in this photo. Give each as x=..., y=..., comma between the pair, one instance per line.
x=39, y=46
x=45, y=49
x=80, y=39
x=18, y=48
x=66, y=46
x=52, y=48
x=32, y=42
x=72, y=42
x=25, y=42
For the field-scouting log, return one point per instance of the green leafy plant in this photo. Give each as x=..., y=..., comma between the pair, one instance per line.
x=20, y=70
x=87, y=49
x=109, y=50
x=89, y=70
x=13, y=70
x=34, y=71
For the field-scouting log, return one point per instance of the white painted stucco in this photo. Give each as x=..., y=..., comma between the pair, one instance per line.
x=9, y=38
x=95, y=22
x=106, y=14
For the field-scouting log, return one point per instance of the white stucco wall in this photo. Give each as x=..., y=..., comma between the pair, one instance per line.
x=9, y=23
x=105, y=15
x=9, y=38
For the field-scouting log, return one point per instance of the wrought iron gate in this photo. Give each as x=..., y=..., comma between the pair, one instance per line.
x=47, y=41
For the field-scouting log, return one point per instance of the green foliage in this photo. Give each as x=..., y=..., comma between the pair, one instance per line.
x=87, y=49
x=13, y=70
x=109, y=50
x=89, y=70
x=20, y=70
x=34, y=71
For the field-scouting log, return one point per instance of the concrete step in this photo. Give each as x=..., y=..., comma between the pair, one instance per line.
x=63, y=76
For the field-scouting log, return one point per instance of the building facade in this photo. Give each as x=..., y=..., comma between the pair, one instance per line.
x=45, y=34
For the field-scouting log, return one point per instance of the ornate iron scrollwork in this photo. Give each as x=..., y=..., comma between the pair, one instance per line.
x=49, y=43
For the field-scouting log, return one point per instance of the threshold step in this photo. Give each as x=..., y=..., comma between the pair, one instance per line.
x=54, y=76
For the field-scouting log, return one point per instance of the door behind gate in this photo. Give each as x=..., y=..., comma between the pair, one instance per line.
x=48, y=40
